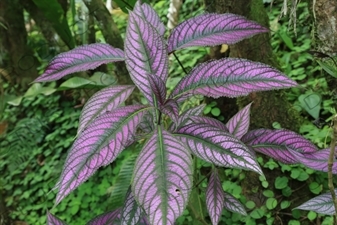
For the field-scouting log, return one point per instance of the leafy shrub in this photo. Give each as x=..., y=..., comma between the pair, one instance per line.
x=163, y=173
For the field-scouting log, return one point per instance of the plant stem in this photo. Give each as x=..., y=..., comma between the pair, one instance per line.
x=330, y=163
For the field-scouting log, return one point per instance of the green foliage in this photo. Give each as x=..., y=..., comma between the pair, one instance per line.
x=32, y=155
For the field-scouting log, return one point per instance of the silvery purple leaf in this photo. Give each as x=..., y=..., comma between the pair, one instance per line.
x=106, y=218
x=131, y=212
x=162, y=178
x=53, y=220
x=315, y=160
x=230, y=77
x=82, y=58
x=145, y=53
x=158, y=89
x=212, y=29
x=233, y=205
x=238, y=125
x=184, y=118
x=217, y=146
x=98, y=145
x=322, y=204
x=275, y=143
x=215, y=197
x=150, y=15
x=210, y=121
x=171, y=108
x=103, y=101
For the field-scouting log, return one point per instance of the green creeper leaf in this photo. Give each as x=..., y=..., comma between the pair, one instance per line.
x=285, y=204
x=250, y=205
x=268, y=193
x=215, y=112
x=315, y=187
x=281, y=182
x=257, y=213
x=312, y=215
x=271, y=203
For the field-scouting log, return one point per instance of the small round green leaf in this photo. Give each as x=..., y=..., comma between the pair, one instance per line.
x=268, y=193
x=250, y=205
x=315, y=187
x=216, y=112
x=312, y=215
x=271, y=203
x=281, y=182
x=285, y=204
x=257, y=213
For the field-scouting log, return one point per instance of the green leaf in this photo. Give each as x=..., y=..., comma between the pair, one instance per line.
x=250, y=205
x=281, y=182
x=312, y=215
x=295, y=173
x=74, y=82
x=215, y=112
x=103, y=79
x=286, y=39
x=257, y=213
x=328, y=67
x=271, y=203
x=268, y=193
x=303, y=176
x=128, y=4
x=285, y=204
x=311, y=103
x=53, y=11
x=315, y=187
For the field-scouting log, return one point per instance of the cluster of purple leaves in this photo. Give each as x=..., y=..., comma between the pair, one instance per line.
x=163, y=173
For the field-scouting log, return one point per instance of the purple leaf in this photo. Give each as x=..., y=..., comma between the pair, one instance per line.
x=150, y=15
x=215, y=197
x=275, y=143
x=158, y=88
x=145, y=53
x=53, y=220
x=82, y=58
x=230, y=77
x=238, y=125
x=184, y=118
x=131, y=212
x=212, y=29
x=106, y=218
x=210, y=121
x=101, y=102
x=217, y=146
x=171, y=108
x=162, y=178
x=233, y=205
x=322, y=204
x=98, y=145
x=315, y=160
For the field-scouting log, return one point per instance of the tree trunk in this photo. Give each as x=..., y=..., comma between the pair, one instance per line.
x=22, y=62
x=325, y=30
x=271, y=106
x=111, y=34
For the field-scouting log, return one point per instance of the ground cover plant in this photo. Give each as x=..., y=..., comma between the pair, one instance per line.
x=163, y=173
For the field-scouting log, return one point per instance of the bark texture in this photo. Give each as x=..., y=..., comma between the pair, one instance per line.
x=325, y=13
x=111, y=34
x=271, y=106
x=22, y=63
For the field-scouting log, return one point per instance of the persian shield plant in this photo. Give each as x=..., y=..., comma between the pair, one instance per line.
x=163, y=174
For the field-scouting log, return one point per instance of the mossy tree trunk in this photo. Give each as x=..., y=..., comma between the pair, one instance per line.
x=324, y=13
x=271, y=106
x=22, y=63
